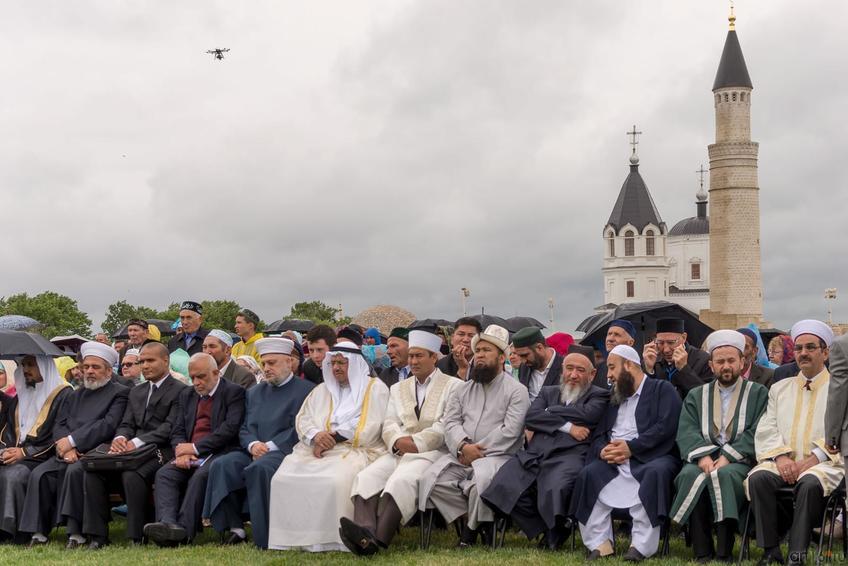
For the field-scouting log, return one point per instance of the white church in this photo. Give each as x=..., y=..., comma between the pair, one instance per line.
x=644, y=260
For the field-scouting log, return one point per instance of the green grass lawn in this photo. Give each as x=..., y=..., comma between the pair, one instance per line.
x=404, y=550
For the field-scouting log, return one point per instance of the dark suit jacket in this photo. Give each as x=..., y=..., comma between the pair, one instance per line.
x=312, y=373
x=547, y=414
x=152, y=422
x=227, y=416
x=761, y=375
x=786, y=370
x=696, y=372
x=239, y=375
x=389, y=375
x=177, y=342
x=601, y=376
x=91, y=416
x=553, y=377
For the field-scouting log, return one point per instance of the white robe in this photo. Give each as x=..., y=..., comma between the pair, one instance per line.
x=793, y=424
x=398, y=476
x=309, y=495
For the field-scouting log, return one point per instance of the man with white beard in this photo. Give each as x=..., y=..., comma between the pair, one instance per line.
x=632, y=461
x=87, y=418
x=534, y=486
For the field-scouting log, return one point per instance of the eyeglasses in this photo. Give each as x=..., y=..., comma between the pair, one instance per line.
x=807, y=347
x=129, y=364
x=671, y=343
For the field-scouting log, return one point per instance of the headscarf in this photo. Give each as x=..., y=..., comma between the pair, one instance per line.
x=788, y=349
x=64, y=364
x=254, y=366
x=31, y=399
x=560, y=341
x=375, y=334
x=346, y=411
x=8, y=367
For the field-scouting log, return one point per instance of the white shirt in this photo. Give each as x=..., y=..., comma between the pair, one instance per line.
x=725, y=393
x=537, y=378
x=623, y=491
x=421, y=389
x=403, y=373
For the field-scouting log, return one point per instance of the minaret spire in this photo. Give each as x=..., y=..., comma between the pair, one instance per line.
x=732, y=18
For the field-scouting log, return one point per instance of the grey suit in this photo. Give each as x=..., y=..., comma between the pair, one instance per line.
x=836, y=416
x=239, y=375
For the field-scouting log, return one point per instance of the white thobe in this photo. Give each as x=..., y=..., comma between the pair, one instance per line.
x=622, y=492
x=309, y=495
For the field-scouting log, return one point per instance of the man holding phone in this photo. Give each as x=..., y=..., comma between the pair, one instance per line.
x=670, y=358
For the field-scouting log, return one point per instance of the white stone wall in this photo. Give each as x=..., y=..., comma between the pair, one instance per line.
x=649, y=274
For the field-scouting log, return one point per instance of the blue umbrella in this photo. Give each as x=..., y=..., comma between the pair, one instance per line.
x=17, y=322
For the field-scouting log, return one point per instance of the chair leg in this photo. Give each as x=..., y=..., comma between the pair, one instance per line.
x=426, y=531
x=573, y=524
x=744, y=543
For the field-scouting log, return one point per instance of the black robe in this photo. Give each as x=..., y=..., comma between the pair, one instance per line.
x=39, y=447
x=312, y=373
x=551, y=460
x=695, y=373
x=654, y=460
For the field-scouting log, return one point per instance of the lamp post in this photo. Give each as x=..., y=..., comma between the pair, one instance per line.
x=551, y=312
x=830, y=296
x=465, y=294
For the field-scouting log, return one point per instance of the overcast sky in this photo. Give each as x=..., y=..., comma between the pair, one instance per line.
x=393, y=152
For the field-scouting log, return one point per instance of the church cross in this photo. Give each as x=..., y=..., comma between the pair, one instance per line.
x=701, y=172
x=634, y=140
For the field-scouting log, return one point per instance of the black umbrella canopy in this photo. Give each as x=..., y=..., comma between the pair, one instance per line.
x=431, y=324
x=644, y=317
x=516, y=323
x=164, y=327
x=486, y=319
x=14, y=343
x=295, y=324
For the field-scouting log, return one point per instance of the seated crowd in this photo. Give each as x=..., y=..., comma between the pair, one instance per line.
x=324, y=452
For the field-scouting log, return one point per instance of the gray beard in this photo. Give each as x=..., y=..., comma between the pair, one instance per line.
x=570, y=393
x=95, y=385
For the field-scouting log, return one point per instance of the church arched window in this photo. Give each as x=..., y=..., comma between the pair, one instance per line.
x=649, y=242
x=611, y=241
x=629, y=243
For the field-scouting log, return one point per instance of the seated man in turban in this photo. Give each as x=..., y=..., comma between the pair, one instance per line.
x=534, y=486
x=339, y=429
x=632, y=461
x=716, y=440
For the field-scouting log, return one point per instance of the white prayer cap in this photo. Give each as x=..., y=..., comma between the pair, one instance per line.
x=814, y=327
x=493, y=334
x=274, y=345
x=132, y=352
x=222, y=336
x=626, y=352
x=721, y=338
x=426, y=340
x=102, y=351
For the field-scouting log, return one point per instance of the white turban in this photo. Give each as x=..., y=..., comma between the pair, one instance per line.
x=224, y=337
x=274, y=345
x=814, y=327
x=107, y=353
x=626, y=352
x=721, y=338
x=425, y=340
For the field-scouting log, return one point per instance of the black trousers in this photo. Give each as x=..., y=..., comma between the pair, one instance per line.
x=44, y=494
x=134, y=485
x=179, y=496
x=808, y=498
x=701, y=530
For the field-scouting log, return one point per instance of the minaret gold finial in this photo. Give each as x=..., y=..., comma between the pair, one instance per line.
x=732, y=18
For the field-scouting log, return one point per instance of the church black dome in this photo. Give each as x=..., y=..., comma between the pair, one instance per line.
x=691, y=226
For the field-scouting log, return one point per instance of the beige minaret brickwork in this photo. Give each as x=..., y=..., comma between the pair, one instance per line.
x=736, y=297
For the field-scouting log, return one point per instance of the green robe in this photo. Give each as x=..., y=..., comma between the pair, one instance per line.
x=698, y=436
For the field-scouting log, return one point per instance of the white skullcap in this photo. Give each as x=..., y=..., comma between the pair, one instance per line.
x=132, y=352
x=426, y=340
x=626, y=352
x=102, y=351
x=493, y=334
x=222, y=336
x=814, y=327
x=274, y=345
x=721, y=338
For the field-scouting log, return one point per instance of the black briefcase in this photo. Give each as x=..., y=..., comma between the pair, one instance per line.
x=99, y=459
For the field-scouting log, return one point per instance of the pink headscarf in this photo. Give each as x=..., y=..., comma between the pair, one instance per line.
x=788, y=349
x=560, y=341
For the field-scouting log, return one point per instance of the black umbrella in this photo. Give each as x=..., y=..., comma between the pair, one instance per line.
x=69, y=343
x=516, y=323
x=295, y=324
x=164, y=327
x=644, y=317
x=431, y=324
x=15, y=343
x=486, y=319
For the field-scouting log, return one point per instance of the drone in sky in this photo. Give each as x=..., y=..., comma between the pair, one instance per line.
x=218, y=53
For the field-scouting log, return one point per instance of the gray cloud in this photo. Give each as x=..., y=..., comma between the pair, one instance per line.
x=394, y=152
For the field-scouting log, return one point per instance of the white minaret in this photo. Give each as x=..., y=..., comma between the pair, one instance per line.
x=736, y=297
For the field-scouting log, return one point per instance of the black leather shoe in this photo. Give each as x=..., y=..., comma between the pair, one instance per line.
x=97, y=544
x=487, y=533
x=165, y=534
x=358, y=540
x=73, y=544
x=230, y=538
x=797, y=558
x=468, y=537
x=632, y=555
x=771, y=556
